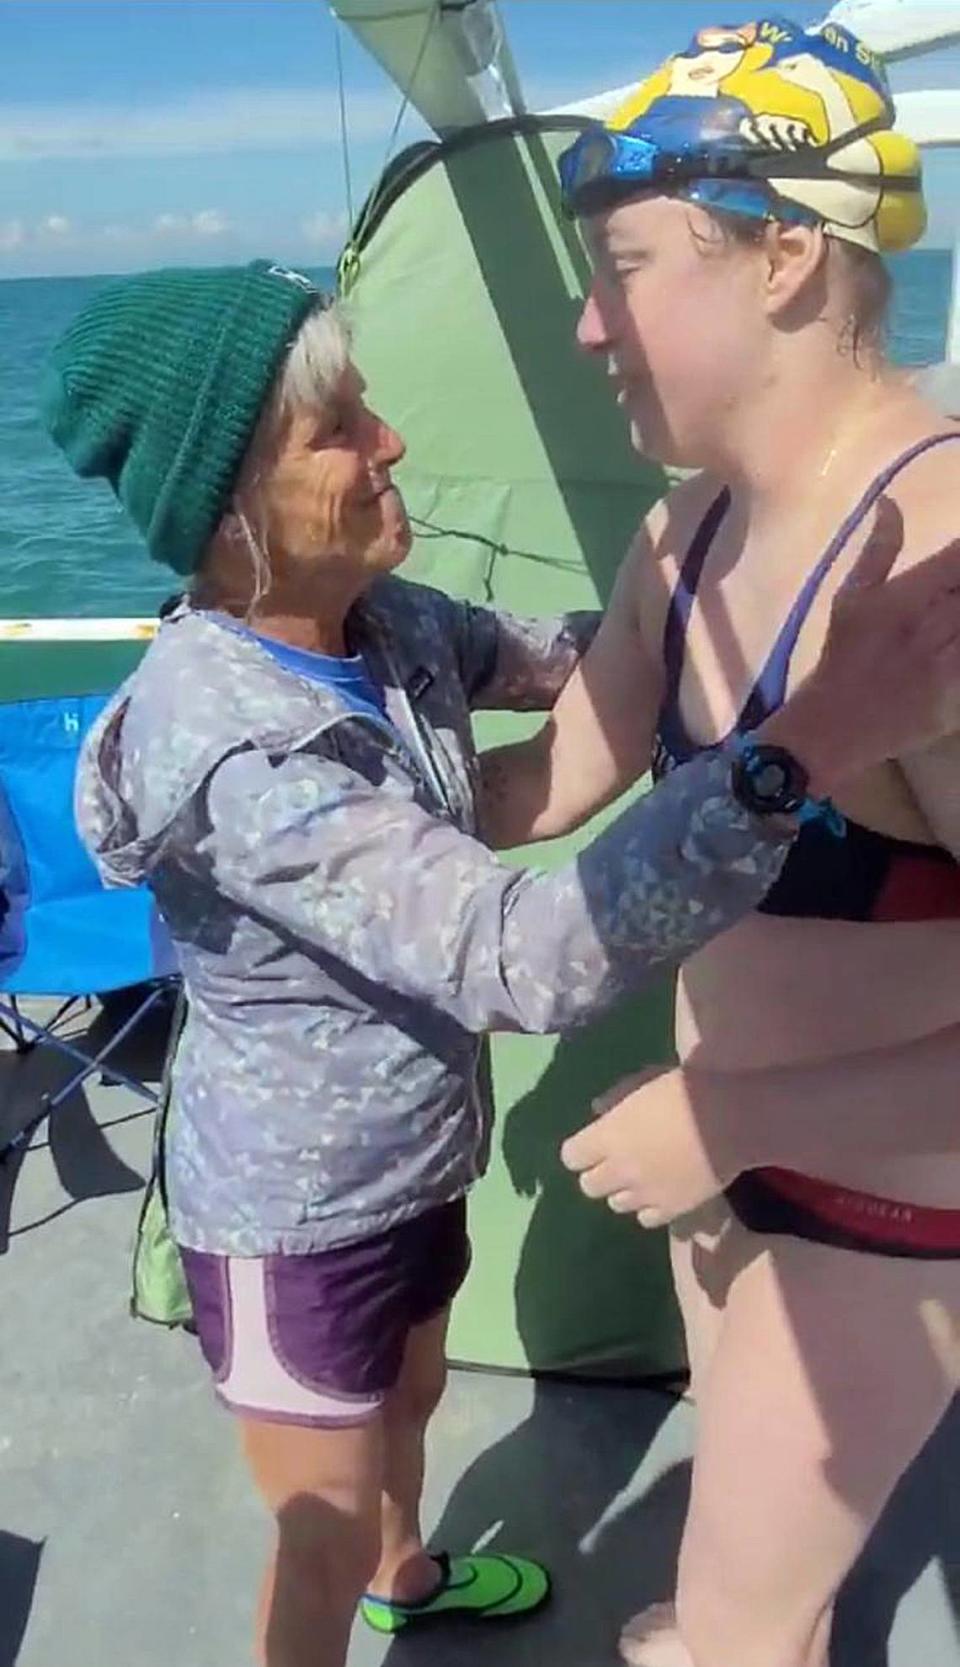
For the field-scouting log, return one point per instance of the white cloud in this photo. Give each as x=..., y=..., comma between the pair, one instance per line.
x=206, y=223
x=324, y=229
x=209, y=223
x=166, y=224
x=231, y=119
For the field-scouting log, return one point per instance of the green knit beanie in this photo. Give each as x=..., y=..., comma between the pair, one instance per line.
x=157, y=387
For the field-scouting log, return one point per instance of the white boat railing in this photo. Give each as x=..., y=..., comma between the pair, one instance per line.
x=138, y=629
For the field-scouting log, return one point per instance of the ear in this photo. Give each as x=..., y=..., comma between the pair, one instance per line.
x=794, y=257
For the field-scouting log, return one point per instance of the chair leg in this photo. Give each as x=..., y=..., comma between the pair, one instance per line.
x=67, y=1007
x=96, y=1063
x=13, y=1028
x=21, y=1140
x=50, y=1102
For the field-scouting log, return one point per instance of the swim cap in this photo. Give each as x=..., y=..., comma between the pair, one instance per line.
x=768, y=120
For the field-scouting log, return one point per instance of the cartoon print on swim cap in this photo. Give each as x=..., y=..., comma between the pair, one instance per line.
x=772, y=86
x=688, y=93
x=712, y=56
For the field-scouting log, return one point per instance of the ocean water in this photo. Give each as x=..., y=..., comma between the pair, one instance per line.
x=67, y=549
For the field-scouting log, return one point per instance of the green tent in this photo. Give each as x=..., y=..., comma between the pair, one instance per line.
x=464, y=284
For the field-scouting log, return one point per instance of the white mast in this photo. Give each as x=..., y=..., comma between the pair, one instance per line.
x=449, y=57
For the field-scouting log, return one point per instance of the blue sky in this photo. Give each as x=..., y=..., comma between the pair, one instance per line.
x=149, y=132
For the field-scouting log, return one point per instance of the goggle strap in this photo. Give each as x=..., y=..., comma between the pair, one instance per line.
x=716, y=164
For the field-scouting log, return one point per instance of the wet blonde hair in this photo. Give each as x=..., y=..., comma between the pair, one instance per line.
x=865, y=274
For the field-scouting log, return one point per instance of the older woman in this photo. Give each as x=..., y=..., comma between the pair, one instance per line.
x=291, y=771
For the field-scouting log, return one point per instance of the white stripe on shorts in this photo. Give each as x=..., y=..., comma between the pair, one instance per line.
x=257, y=1382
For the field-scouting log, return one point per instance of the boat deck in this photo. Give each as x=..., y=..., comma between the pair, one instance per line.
x=128, y=1532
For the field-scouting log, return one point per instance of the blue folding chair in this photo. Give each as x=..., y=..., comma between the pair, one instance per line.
x=62, y=933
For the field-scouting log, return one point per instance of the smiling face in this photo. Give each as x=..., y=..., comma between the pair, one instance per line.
x=318, y=481
x=679, y=320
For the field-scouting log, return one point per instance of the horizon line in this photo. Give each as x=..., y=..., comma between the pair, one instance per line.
x=331, y=265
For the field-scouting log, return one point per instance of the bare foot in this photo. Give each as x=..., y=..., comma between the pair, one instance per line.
x=651, y=1639
x=408, y=1581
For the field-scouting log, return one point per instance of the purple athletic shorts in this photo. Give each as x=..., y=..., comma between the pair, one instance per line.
x=319, y=1339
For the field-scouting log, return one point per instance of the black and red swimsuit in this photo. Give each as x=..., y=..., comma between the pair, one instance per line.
x=865, y=876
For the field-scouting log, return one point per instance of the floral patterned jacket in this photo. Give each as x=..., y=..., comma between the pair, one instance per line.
x=344, y=936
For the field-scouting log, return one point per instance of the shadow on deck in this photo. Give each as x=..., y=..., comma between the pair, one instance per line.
x=128, y=1532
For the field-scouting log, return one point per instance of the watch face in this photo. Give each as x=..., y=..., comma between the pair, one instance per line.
x=769, y=780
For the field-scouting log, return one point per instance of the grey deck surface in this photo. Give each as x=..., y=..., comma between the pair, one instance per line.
x=129, y=1535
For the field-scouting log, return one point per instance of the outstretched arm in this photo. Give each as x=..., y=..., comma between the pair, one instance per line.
x=413, y=904
x=594, y=745
x=512, y=663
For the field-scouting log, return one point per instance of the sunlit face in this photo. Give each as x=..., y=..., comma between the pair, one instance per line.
x=678, y=321
x=324, y=489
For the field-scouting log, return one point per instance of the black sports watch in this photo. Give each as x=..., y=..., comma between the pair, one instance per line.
x=769, y=781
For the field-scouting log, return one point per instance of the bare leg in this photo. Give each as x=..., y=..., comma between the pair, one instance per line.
x=323, y=1487
x=651, y=1638
x=793, y=1369
x=406, y=1572
x=830, y=1372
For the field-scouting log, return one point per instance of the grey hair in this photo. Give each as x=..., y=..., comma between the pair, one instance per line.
x=315, y=363
x=259, y=560
x=308, y=377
